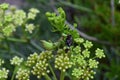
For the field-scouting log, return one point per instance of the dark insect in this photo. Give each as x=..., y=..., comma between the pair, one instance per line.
x=68, y=40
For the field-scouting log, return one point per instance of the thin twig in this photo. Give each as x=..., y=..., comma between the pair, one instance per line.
x=112, y=12
x=82, y=34
x=35, y=45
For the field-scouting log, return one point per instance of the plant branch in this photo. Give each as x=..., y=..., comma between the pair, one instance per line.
x=52, y=72
x=17, y=40
x=112, y=12
x=47, y=77
x=62, y=75
x=13, y=75
x=78, y=7
x=32, y=43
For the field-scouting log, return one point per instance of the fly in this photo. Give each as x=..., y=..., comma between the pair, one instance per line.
x=68, y=42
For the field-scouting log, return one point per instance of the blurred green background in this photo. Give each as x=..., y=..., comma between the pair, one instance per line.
x=96, y=18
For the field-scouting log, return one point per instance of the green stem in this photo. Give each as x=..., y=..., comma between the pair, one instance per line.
x=62, y=75
x=51, y=69
x=8, y=45
x=32, y=43
x=47, y=77
x=16, y=40
x=13, y=75
x=94, y=57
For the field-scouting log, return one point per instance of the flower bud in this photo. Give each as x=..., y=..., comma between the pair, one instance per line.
x=48, y=14
x=4, y=6
x=47, y=45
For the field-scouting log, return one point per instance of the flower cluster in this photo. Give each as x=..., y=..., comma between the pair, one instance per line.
x=8, y=29
x=11, y=18
x=4, y=6
x=83, y=62
x=79, y=40
x=45, y=55
x=88, y=44
x=93, y=63
x=85, y=73
x=75, y=57
x=3, y=73
x=78, y=60
x=39, y=63
x=32, y=13
x=62, y=62
x=55, y=20
x=78, y=55
x=40, y=69
x=77, y=49
x=23, y=74
x=16, y=61
x=19, y=17
x=77, y=72
x=86, y=53
x=99, y=53
x=32, y=59
x=29, y=28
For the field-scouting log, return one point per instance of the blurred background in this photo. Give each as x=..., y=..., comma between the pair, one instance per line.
x=98, y=19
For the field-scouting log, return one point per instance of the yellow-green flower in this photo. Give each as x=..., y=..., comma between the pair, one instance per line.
x=99, y=53
x=7, y=31
x=16, y=60
x=62, y=62
x=23, y=74
x=29, y=28
x=32, y=59
x=77, y=72
x=19, y=17
x=93, y=63
x=4, y=6
x=32, y=13
x=86, y=53
x=3, y=74
x=88, y=44
x=79, y=40
x=40, y=69
x=77, y=49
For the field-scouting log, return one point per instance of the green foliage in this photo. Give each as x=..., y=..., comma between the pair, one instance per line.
x=93, y=18
x=11, y=18
x=16, y=61
x=3, y=74
x=69, y=53
x=99, y=22
x=55, y=20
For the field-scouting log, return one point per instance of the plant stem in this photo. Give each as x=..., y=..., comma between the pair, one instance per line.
x=51, y=69
x=13, y=74
x=47, y=77
x=62, y=75
x=14, y=39
x=17, y=40
x=32, y=43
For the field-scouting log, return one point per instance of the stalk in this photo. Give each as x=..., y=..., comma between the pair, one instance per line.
x=62, y=75
x=47, y=77
x=52, y=72
x=13, y=75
